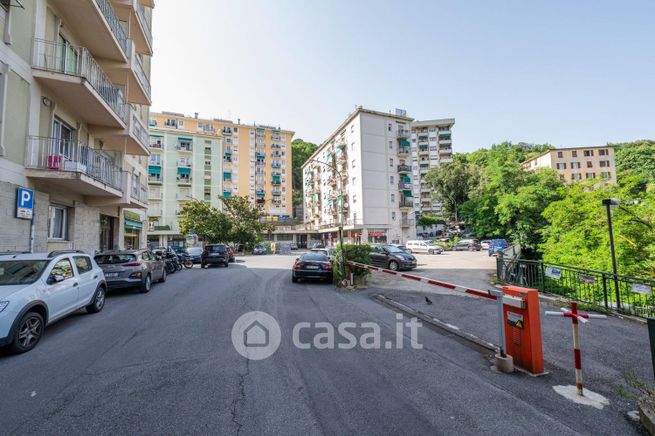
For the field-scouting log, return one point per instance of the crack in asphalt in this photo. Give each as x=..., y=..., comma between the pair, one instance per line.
x=238, y=403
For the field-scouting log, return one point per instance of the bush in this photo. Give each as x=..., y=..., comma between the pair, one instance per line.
x=354, y=253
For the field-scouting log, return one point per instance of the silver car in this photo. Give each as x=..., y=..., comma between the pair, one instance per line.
x=131, y=268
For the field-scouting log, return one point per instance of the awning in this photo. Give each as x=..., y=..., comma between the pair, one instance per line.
x=407, y=192
x=184, y=170
x=133, y=225
x=185, y=139
x=154, y=170
x=404, y=142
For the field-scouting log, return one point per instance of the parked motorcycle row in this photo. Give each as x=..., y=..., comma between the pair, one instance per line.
x=175, y=260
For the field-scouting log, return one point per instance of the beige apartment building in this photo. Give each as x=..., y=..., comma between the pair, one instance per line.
x=74, y=104
x=577, y=163
x=206, y=159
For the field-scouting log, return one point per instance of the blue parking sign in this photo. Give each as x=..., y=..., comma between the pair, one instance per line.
x=24, y=203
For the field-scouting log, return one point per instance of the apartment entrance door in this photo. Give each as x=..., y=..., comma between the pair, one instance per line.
x=107, y=226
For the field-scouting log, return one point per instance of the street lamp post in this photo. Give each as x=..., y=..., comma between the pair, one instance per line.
x=608, y=203
x=333, y=167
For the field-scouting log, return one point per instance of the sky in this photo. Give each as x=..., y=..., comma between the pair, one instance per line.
x=564, y=72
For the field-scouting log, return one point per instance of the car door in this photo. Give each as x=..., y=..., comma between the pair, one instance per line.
x=61, y=296
x=88, y=279
x=377, y=257
x=158, y=265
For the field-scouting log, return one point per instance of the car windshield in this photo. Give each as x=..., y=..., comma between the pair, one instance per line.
x=315, y=257
x=113, y=259
x=194, y=250
x=393, y=249
x=216, y=248
x=20, y=272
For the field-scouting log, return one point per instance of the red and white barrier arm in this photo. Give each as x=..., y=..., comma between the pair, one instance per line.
x=451, y=286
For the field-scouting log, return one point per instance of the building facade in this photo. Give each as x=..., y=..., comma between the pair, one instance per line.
x=74, y=103
x=361, y=177
x=194, y=158
x=578, y=163
x=431, y=145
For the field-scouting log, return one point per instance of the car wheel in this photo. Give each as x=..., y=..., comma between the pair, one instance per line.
x=227, y=264
x=430, y=251
x=98, y=301
x=294, y=279
x=28, y=333
x=147, y=284
x=163, y=276
x=393, y=265
x=203, y=265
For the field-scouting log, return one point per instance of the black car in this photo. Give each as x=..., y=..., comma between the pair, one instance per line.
x=392, y=257
x=215, y=254
x=312, y=266
x=467, y=245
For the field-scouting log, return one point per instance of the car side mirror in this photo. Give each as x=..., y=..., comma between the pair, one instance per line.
x=297, y=258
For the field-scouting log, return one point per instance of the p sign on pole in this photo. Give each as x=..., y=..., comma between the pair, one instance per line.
x=24, y=203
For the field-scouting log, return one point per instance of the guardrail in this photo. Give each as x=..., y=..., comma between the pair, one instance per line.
x=617, y=293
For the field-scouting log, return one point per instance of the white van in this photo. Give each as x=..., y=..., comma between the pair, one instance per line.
x=428, y=247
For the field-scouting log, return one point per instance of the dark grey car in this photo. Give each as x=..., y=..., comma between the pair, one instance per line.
x=392, y=257
x=131, y=268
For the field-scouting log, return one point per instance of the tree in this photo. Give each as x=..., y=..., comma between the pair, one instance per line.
x=199, y=217
x=429, y=220
x=451, y=183
x=246, y=218
x=301, y=151
x=636, y=158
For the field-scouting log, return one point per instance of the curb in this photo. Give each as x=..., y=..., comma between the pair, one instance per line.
x=454, y=330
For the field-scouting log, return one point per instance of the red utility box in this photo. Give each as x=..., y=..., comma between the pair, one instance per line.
x=523, y=328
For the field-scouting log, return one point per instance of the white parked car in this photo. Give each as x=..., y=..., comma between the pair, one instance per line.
x=428, y=247
x=38, y=289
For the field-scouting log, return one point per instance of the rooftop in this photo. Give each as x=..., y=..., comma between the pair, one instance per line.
x=567, y=148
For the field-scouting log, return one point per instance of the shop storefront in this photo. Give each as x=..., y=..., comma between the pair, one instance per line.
x=133, y=230
x=377, y=236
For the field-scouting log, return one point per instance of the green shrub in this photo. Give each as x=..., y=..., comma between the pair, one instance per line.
x=354, y=253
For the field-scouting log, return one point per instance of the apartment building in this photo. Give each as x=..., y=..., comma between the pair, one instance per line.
x=208, y=159
x=74, y=103
x=361, y=177
x=431, y=145
x=577, y=163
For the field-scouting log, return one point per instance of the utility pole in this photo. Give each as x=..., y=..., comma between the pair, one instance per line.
x=608, y=203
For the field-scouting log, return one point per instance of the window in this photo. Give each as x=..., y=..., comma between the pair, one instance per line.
x=391, y=179
x=603, y=152
x=390, y=145
x=180, y=124
x=574, y=153
x=63, y=135
x=354, y=199
x=391, y=162
x=83, y=264
x=576, y=176
x=560, y=154
x=393, y=216
x=604, y=163
x=57, y=222
x=393, y=198
x=590, y=175
x=353, y=164
x=170, y=122
x=588, y=153
x=354, y=178
x=575, y=165
x=590, y=164
x=389, y=127
x=605, y=175
x=62, y=268
x=561, y=166
x=352, y=128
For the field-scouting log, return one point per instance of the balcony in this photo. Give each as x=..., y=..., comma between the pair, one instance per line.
x=405, y=185
x=155, y=195
x=403, y=150
x=276, y=192
x=405, y=203
x=74, y=167
x=154, y=179
x=403, y=133
x=134, y=14
x=78, y=82
x=130, y=75
x=184, y=181
x=97, y=26
x=184, y=147
x=133, y=139
x=406, y=222
x=404, y=169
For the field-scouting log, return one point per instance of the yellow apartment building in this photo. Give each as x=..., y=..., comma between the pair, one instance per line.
x=577, y=163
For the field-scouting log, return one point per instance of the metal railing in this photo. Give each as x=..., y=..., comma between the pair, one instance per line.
x=625, y=294
x=139, y=130
x=65, y=155
x=404, y=185
x=114, y=23
x=141, y=76
x=406, y=203
x=77, y=61
x=402, y=133
x=404, y=169
x=139, y=191
x=141, y=13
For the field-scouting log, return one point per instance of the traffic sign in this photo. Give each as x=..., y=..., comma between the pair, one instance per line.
x=24, y=203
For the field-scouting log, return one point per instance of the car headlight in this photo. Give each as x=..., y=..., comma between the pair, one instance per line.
x=3, y=305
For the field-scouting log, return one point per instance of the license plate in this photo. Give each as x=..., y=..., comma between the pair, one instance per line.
x=311, y=267
x=111, y=274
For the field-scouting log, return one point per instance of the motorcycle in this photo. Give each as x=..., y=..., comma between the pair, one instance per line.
x=185, y=260
x=172, y=264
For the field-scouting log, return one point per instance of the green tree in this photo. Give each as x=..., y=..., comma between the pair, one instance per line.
x=247, y=226
x=451, y=183
x=199, y=217
x=429, y=220
x=301, y=151
x=636, y=158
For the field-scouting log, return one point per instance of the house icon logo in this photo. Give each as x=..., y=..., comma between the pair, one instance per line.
x=256, y=335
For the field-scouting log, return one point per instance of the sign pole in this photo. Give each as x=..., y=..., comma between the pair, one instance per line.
x=32, y=234
x=576, y=348
x=651, y=335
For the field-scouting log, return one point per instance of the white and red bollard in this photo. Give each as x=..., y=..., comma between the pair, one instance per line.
x=575, y=317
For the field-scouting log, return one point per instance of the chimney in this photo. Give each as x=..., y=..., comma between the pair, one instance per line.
x=195, y=115
x=238, y=120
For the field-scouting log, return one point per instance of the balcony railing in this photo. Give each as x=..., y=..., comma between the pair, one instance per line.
x=63, y=155
x=139, y=131
x=139, y=191
x=141, y=13
x=114, y=23
x=141, y=76
x=404, y=169
x=402, y=133
x=77, y=61
x=404, y=202
x=404, y=185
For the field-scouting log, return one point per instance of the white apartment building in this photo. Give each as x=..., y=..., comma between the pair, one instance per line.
x=431, y=144
x=365, y=168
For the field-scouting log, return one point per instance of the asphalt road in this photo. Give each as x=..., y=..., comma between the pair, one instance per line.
x=164, y=362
